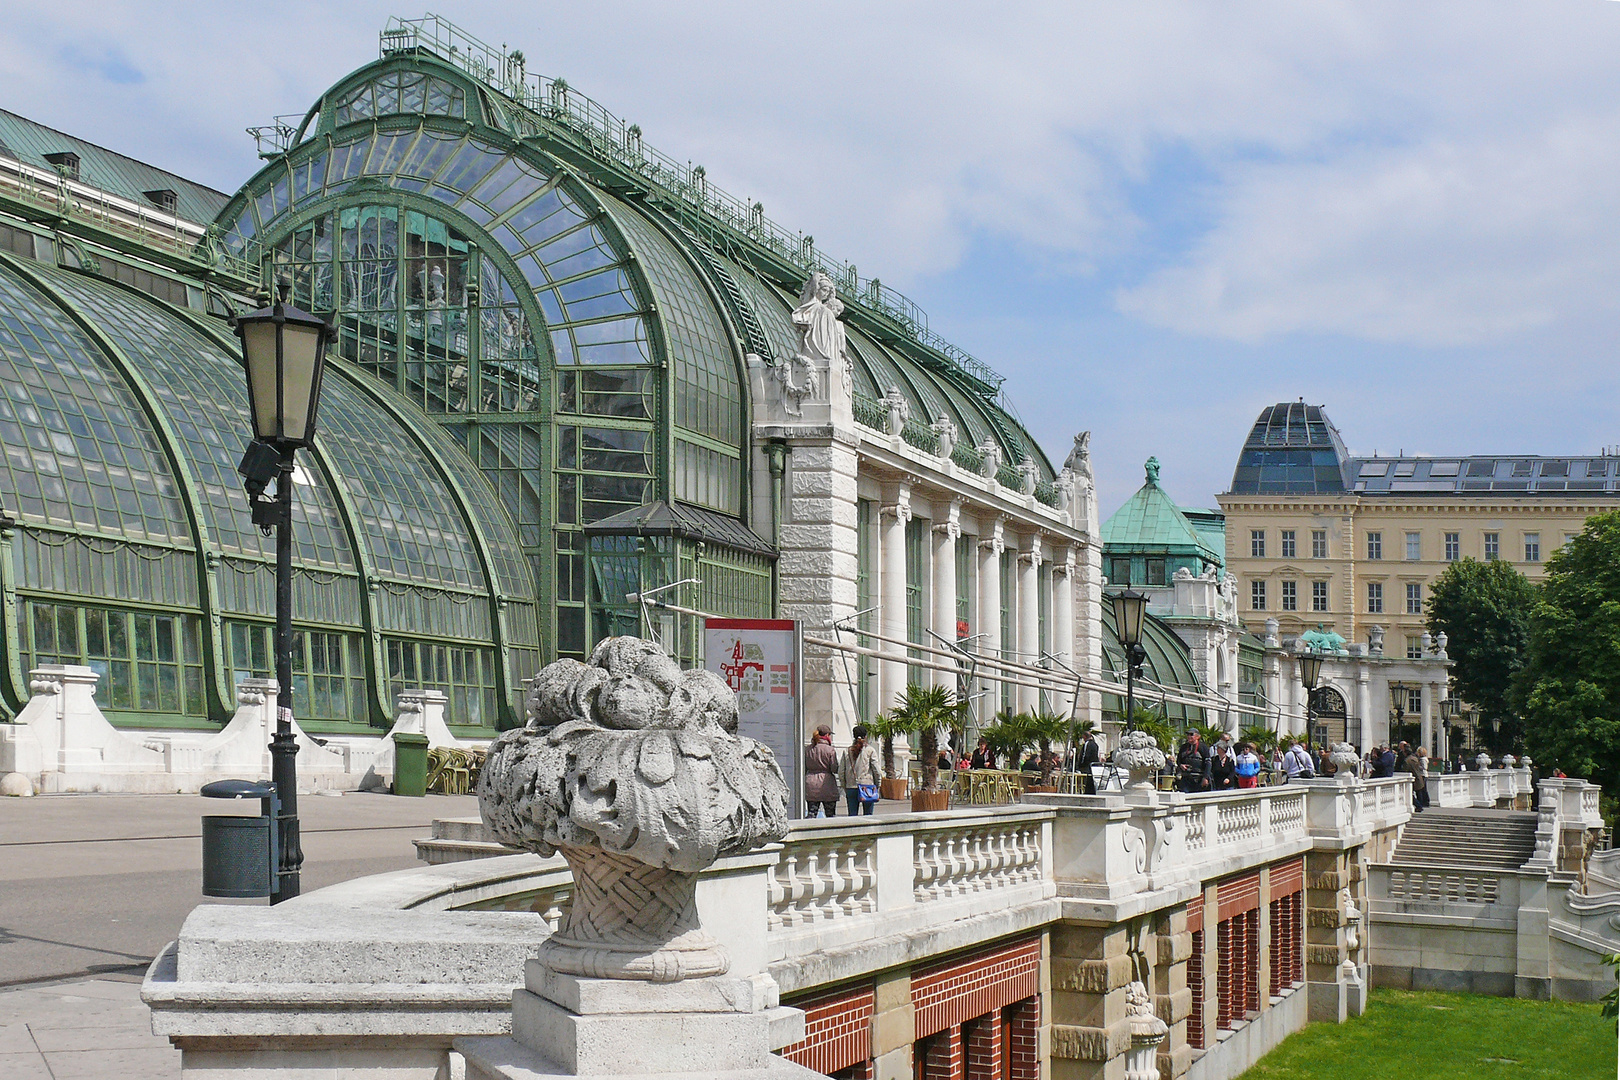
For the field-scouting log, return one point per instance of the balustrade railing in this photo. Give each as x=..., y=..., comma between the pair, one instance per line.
x=967, y=457
x=1442, y=886
x=958, y=862
x=870, y=412
x=822, y=880
x=1009, y=477
x=920, y=435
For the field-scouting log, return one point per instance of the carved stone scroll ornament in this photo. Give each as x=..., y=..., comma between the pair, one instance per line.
x=1344, y=756
x=634, y=771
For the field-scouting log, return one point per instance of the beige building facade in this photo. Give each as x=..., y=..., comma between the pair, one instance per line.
x=1316, y=536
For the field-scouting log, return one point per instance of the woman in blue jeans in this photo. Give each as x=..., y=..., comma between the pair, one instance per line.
x=858, y=768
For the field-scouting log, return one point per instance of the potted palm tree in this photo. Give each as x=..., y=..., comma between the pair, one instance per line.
x=1009, y=737
x=886, y=729
x=924, y=711
x=1047, y=728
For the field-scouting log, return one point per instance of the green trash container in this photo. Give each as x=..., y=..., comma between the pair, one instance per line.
x=410, y=764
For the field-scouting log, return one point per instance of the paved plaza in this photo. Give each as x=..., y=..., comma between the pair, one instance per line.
x=91, y=886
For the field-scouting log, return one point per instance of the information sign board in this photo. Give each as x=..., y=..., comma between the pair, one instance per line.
x=759, y=659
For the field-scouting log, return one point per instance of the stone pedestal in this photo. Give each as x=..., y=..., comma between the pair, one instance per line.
x=565, y=1025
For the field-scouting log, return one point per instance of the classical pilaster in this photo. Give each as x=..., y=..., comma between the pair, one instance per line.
x=1029, y=614
x=892, y=592
x=946, y=534
x=991, y=545
x=1063, y=644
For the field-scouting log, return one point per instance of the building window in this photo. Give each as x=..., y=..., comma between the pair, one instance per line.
x=1257, y=543
x=1290, y=596
x=1319, y=596
x=1414, y=598
x=1453, y=547
x=1155, y=572
x=1375, y=545
x=329, y=675
x=917, y=575
x=1493, y=546
x=1568, y=537
x=147, y=662
x=1414, y=546
x=1318, y=543
x=1414, y=699
x=465, y=674
x=1257, y=595
x=1414, y=647
x=1119, y=571
x=1289, y=549
x=1532, y=547
x=1375, y=598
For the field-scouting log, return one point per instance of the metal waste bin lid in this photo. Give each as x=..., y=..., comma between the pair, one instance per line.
x=239, y=789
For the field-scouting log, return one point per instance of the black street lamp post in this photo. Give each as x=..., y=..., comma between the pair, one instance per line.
x=1129, y=606
x=284, y=351
x=1310, y=669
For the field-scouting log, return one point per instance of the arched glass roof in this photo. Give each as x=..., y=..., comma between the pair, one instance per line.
x=396, y=471
x=77, y=450
x=1167, y=664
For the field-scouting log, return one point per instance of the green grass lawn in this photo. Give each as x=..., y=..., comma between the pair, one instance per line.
x=1433, y=1036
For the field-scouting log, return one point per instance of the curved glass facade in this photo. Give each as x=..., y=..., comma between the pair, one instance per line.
x=126, y=423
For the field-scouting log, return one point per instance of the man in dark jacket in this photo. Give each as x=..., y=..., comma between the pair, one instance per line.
x=1088, y=756
x=1386, y=762
x=1192, y=765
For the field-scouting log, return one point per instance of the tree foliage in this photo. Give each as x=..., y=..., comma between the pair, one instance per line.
x=1569, y=688
x=1484, y=610
x=926, y=710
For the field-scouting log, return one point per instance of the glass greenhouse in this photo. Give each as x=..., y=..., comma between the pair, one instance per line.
x=539, y=401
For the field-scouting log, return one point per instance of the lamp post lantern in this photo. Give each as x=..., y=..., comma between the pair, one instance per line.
x=284, y=352
x=1129, y=607
x=1310, y=669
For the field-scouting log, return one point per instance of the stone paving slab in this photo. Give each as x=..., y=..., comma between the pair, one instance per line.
x=87, y=1029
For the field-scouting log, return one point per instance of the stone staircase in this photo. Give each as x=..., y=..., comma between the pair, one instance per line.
x=1478, y=839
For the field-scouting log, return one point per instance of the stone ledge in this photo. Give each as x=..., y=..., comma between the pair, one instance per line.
x=1091, y=976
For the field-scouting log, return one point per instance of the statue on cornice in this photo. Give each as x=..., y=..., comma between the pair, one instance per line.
x=821, y=343
x=1152, y=468
x=1079, y=459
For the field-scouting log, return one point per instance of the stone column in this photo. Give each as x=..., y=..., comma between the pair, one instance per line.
x=1092, y=971
x=1428, y=717
x=1364, y=708
x=1063, y=607
x=991, y=546
x=892, y=593
x=1431, y=709
x=1029, y=614
x=815, y=571
x=946, y=533
x=894, y=1025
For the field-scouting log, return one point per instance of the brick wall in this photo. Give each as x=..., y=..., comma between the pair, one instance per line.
x=949, y=994
x=837, y=1030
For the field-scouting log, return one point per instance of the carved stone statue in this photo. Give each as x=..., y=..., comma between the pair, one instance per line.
x=1344, y=758
x=821, y=344
x=1152, y=468
x=1079, y=459
x=633, y=769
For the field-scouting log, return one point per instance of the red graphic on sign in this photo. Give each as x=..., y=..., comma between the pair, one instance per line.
x=736, y=671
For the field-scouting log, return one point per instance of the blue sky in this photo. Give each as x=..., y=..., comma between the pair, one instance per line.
x=1153, y=218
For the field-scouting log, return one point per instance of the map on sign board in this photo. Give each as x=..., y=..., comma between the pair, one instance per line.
x=759, y=659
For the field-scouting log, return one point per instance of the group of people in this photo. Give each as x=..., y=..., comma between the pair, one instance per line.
x=1224, y=766
x=856, y=772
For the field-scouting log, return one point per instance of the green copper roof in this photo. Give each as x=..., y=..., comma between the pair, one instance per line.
x=1151, y=521
x=27, y=141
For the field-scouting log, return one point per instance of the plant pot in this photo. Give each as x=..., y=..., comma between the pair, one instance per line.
x=893, y=787
x=926, y=801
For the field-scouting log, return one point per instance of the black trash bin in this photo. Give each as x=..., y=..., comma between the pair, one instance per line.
x=239, y=852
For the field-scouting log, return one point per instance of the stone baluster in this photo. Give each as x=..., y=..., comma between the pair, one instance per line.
x=793, y=889
x=833, y=908
x=922, y=872
x=815, y=886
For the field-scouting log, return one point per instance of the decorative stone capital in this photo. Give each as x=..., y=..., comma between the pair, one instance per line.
x=989, y=460
x=946, y=432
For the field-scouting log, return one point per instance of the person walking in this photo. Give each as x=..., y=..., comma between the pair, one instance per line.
x=821, y=774
x=1297, y=763
x=1192, y=765
x=1418, y=766
x=1247, y=767
x=1223, y=768
x=859, y=773
x=1090, y=754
